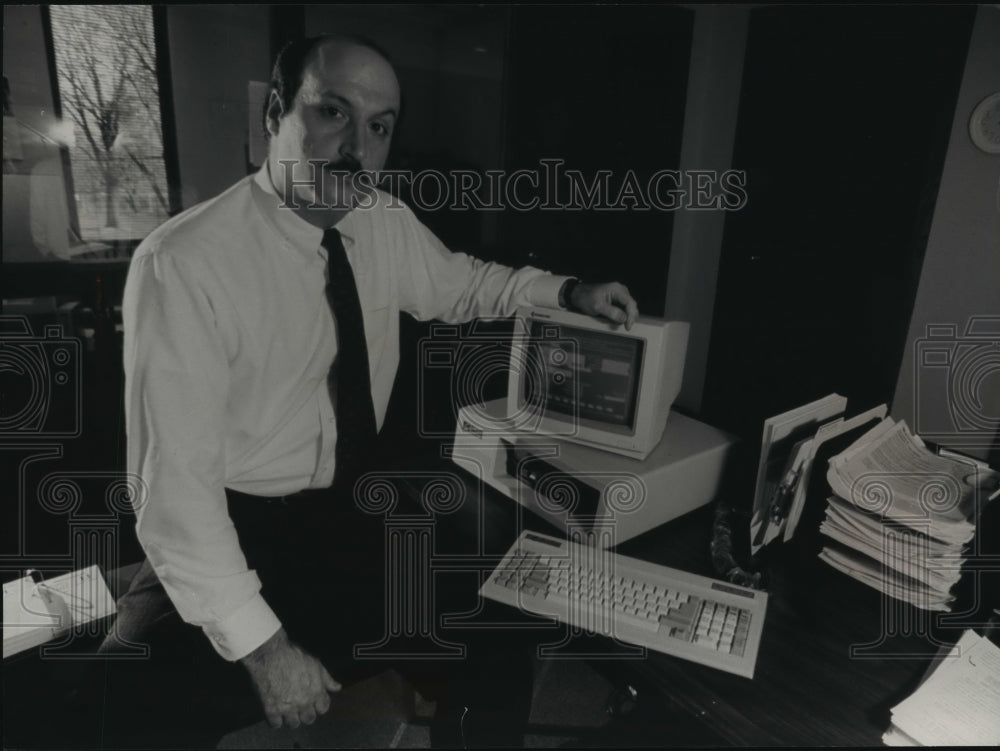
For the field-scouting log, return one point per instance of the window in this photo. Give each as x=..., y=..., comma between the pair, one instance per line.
x=105, y=63
x=85, y=173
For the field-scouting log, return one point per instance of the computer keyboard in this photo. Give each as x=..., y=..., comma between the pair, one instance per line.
x=689, y=616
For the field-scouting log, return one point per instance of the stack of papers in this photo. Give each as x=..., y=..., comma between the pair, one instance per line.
x=958, y=704
x=901, y=517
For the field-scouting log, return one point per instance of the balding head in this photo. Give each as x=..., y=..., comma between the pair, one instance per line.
x=331, y=113
x=294, y=58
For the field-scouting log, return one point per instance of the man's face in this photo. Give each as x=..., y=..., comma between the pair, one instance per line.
x=341, y=120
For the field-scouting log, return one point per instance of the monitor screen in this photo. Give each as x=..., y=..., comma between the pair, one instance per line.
x=592, y=375
x=590, y=381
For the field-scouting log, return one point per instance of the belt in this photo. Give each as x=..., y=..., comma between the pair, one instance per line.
x=310, y=494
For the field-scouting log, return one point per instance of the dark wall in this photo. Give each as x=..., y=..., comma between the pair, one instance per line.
x=450, y=62
x=844, y=116
x=844, y=119
x=601, y=88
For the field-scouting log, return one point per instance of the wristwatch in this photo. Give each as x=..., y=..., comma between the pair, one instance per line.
x=566, y=293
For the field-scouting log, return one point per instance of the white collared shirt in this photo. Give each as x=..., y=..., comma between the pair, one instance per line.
x=228, y=341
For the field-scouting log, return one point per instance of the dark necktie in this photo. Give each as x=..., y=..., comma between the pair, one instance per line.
x=349, y=379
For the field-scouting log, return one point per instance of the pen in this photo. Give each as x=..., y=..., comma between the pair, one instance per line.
x=40, y=587
x=53, y=600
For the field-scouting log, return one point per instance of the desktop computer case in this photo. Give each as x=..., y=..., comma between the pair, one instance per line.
x=573, y=485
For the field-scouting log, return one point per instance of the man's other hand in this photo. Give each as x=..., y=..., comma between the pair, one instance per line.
x=610, y=300
x=292, y=685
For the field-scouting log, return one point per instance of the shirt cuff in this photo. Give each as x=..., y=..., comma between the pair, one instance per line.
x=242, y=631
x=544, y=290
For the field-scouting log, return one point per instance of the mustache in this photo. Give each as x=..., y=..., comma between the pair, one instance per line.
x=345, y=164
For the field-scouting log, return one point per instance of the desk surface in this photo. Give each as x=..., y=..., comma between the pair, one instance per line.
x=834, y=658
x=809, y=688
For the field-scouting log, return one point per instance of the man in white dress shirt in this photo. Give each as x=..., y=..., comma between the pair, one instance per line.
x=229, y=339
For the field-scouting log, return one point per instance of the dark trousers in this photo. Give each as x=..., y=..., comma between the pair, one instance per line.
x=327, y=572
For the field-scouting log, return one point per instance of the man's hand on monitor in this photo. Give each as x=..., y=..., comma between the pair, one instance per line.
x=609, y=300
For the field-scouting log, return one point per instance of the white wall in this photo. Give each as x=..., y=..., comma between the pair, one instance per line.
x=960, y=279
x=713, y=93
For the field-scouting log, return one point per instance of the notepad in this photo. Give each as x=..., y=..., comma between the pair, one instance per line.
x=958, y=704
x=76, y=599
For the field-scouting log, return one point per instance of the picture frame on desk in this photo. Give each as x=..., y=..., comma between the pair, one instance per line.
x=781, y=462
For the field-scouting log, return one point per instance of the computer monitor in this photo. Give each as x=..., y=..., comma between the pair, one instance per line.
x=594, y=382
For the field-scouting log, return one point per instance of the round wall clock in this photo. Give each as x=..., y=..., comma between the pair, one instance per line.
x=984, y=125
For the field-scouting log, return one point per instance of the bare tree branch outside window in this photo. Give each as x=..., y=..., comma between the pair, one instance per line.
x=106, y=68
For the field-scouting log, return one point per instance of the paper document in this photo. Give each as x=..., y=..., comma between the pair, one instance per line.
x=892, y=583
x=958, y=704
x=36, y=613
x=871, y=529
x=901, y=517
x=896, y=476
x=896, y=737
x=906, y=552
